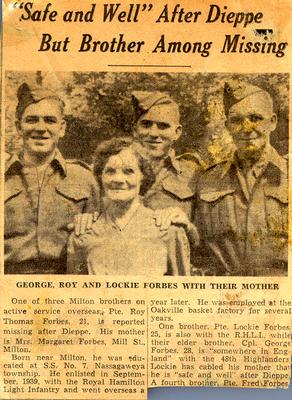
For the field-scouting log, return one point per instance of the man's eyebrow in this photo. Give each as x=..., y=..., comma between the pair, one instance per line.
x=156, y=121
x=41, y=116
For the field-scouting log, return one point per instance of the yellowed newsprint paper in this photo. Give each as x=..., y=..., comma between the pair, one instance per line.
x=144, y=197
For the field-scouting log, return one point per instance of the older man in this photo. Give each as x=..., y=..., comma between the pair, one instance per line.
x=43, y=192
x=243, y=202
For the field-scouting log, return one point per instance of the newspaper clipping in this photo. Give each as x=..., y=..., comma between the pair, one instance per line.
x=144, y=197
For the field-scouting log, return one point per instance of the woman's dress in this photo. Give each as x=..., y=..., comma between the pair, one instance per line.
x=137, y=248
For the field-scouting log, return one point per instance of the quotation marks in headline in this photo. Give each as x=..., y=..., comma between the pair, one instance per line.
x=49, y=14
x=118, y=13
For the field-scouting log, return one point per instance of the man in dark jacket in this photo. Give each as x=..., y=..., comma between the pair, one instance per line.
x=156, y=129
x=243, y=202
x=43, y=192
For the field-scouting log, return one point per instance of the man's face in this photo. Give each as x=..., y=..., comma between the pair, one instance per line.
x=250, y=123
x=41, y=126
x=121, y=177
x=157, y=130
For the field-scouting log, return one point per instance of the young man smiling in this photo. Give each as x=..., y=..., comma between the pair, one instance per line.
x=43, y=192
x=156, y=129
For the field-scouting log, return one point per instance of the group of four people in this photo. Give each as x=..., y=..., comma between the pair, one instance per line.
x=148, y=212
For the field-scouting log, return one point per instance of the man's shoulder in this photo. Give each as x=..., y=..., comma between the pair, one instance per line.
x=190, y=163
x=214, y=176
x=186, y=170
x=281, y=161
x=277, y=168
x=12, y=160
x=78, y=180
x=219, y=168
x=286, y=163
x=181, y=180
x=78, y=165
x=79, y=169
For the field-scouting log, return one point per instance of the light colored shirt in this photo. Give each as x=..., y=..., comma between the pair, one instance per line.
x=137, y=248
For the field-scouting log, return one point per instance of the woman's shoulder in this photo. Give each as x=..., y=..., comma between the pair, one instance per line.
x=145, y=223
x=147, y=219
x=145, y=212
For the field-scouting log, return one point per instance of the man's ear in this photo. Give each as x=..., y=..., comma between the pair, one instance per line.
x=274, y=121
x=63, y=128
x=178, y=131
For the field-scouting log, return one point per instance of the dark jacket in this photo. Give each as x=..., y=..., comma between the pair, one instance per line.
x=37, y=216
x=242, y=232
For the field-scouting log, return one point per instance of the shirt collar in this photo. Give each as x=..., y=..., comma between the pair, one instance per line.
x=121, y=224
x=256, y=168
x=173, y=161
x=16, y=161
x=269, y=156
x=277, y=160
x=60, y=161
x=170, y=159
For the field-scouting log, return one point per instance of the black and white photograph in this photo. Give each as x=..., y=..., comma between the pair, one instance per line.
x=146, y=174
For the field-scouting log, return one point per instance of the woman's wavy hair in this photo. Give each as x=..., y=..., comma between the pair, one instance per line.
x=112, y=147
